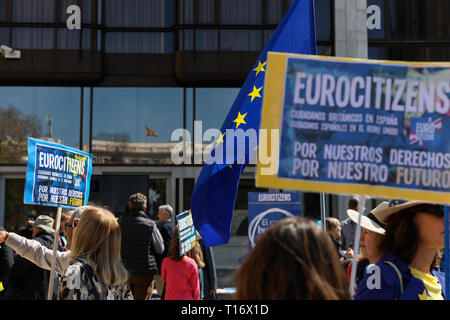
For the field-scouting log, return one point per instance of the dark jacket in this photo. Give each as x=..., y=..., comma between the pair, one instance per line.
x=166, y=229
x=209, y=271
x=141, y=240
x=390, y=288
x=26, y=280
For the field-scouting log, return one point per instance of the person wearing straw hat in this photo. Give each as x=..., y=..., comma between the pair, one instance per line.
x=372, y=232
x=27, y=281
x=414, y=233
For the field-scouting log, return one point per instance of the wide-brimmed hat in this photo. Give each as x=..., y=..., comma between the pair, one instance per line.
x=45, y=223
x=397, y=205
x=372, y=221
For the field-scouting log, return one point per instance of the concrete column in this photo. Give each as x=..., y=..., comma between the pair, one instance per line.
x=350, y=27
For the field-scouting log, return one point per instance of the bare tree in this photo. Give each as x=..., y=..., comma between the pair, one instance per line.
x=15, y=128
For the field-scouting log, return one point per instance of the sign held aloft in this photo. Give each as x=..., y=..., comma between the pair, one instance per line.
x=356, y=126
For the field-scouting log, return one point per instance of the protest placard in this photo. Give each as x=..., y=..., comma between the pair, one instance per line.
x=356, y=126
x=57, y=175
x=186, y=231
x=266, y=208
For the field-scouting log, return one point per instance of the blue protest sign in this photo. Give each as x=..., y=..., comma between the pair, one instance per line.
x=57, y=175
x=356, y=126
x=266, y=208
x=186, y=231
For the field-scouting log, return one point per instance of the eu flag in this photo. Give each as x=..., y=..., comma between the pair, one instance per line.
x=214, y=195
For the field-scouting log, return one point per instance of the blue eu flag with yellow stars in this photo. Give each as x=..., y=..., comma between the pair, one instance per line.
x=214, y=195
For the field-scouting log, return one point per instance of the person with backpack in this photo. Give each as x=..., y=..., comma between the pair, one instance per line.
x=414, y=234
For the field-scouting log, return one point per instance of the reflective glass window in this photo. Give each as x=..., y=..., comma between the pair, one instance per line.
x=135, y=125
x=33, y=38
x=211, y=108
x=4, y=36
x=139, y=13
x=139, y=42
x=3, y=10
x=47, y=113
x=86, y=10
x=70, y=39
x=241, y=40
x=240, y=11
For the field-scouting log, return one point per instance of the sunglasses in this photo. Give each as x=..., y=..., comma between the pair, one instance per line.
x=73, y=225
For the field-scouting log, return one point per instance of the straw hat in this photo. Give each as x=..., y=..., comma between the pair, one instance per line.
x=373, y=221
x=397, y=205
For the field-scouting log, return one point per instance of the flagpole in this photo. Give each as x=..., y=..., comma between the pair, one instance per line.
x=362, y=207
x=322, y=211
x=55, y=246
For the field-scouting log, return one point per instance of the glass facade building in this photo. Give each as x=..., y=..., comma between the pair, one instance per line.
x=139, y=70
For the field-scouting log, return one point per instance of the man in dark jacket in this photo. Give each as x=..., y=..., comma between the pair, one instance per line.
x=165, y=227
x=141, y=240
x=26, y=280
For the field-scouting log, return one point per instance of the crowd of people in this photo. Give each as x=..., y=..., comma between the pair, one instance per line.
x=101, y=257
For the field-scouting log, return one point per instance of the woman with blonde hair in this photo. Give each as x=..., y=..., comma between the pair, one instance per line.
x=96, y=271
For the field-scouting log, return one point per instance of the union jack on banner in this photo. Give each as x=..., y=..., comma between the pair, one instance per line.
x=413, y=137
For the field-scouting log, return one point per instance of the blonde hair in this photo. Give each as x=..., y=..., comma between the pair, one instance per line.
x=97, y=240
x=196, y=254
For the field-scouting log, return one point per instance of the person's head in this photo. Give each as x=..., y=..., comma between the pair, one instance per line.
x=333, y=227
x=196, y=254
x=137, y=202
x=174, y=246
x=413, y=225
x=65, y=220
x=75, y=216
x=43, y=223
x=97, y=238
x=372, y=231
x=165, y=213
x=353, y=204
x=292, y=259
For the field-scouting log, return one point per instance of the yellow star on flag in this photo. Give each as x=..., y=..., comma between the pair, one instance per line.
x=220, y=139
x=260, y=68
x=240, y=119
x=255, y=93
x=424, y=295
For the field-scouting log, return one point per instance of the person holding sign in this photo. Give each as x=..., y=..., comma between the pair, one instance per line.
x=37, y=253
x=407, y=269
x=96, y=271
x=292, y=259
x=180, y=273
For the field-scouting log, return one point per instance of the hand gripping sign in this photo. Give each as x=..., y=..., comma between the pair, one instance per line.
x=57, y=176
